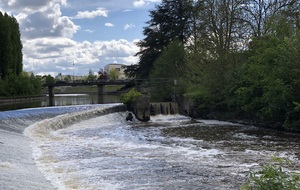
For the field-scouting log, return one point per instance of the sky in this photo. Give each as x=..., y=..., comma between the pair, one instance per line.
x=74, y=36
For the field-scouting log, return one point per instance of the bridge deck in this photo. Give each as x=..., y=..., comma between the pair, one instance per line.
x=90, y=83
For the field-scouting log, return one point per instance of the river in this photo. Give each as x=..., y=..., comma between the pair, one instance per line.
x=83, y=147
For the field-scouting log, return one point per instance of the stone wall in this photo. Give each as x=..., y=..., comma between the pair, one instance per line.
x=141, y=108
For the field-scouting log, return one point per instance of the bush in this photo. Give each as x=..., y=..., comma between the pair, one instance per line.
x=272, y=177
x=22, y=85
x=130, y=96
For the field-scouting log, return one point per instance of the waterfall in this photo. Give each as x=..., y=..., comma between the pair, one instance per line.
x=164, y=108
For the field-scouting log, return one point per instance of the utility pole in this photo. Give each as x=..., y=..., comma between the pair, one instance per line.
x=73, y=72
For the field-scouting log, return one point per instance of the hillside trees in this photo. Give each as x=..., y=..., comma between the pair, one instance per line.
x=11, y=47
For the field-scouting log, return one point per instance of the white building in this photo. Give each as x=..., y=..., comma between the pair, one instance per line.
x=118, y=67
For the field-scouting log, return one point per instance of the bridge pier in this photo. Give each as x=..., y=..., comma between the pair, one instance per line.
x=100, y=94
x=51, y=91
x=100, y=89
x=51, y=95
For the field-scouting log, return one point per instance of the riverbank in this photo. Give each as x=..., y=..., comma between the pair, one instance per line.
x=19, y=99
x=188, y=107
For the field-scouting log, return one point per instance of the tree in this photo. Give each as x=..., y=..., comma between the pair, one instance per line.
x=11, y=47
x=259, y=13
x=49, y=79
x=217, y=43
x=114, y=74
x=91, y=76
x=68, y=78
x=169, y=67
x=171, y=20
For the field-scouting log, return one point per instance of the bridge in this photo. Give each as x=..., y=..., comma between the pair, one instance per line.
x=99, y=83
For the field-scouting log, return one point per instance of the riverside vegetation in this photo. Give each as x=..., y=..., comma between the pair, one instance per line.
x=235, y=59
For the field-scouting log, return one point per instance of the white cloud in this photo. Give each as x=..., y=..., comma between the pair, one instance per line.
x=139, y=3
x=48, y=35
x=128, y=26
x=29, y=5
x=89, y=31
x=108, y=24
x=143, y=3
x=100, y=12
x=58, y=55
x=46, y=22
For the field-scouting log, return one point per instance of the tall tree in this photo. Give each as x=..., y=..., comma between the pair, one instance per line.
x=168, y=71
x=11, y=46
x=169, y=21
x=258, y=13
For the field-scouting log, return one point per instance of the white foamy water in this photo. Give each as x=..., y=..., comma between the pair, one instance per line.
x=95, y=148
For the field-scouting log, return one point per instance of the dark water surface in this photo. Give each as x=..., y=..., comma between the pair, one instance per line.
x=62, y=100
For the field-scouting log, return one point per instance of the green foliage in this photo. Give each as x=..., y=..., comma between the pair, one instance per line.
x=91, y=76
x=130, y=96
x=114, y=74
x=21, y=85
x=67, y=78
x=266, y=83
x=168, y=67
x=170, y=20
x=49, y=79
x=273, y=177
x=11, y=47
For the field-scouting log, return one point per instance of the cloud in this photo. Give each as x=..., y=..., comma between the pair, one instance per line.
x=46, y=22
x=49, y=34
x=28, y=6
x=128, y=26
x=100, y=12
x=108, y=24
x=57, y=55
x=139, y=3
x=143, y=3
x=89, y=31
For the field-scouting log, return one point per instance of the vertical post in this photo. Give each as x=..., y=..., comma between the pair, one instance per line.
x=73, y=72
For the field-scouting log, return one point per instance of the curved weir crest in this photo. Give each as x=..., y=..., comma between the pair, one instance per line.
x=40, y=130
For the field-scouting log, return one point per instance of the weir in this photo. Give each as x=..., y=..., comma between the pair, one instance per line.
x=143, y=108
x=164, y=108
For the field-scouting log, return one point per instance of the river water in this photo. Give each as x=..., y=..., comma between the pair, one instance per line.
x=84, y=147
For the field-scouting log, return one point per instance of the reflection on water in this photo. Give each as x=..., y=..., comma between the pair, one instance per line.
x=63, y=100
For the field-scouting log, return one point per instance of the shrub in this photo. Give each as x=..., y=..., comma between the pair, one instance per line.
x=130, y=96
x=272, y=177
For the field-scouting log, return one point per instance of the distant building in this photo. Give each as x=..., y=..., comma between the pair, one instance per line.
x=28, y=73
x=71, y=77
x=118, y=67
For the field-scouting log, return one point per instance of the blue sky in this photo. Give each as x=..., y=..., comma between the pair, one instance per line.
x=62, y=36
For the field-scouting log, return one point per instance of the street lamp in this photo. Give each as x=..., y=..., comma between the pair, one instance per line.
x=73, y=72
